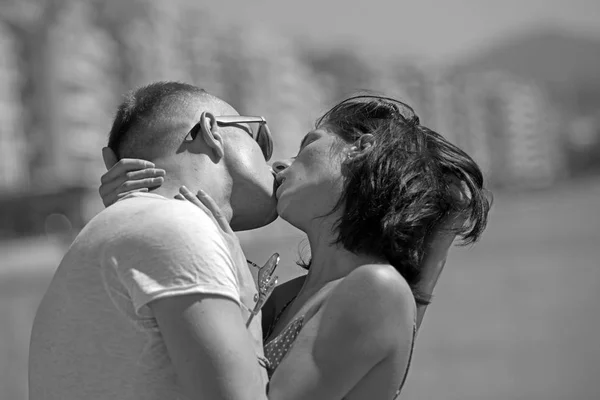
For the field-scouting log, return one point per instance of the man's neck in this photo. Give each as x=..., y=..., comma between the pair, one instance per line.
x=172, y=185
x=169, y=189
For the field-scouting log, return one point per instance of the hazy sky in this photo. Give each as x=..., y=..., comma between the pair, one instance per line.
x=434, y=29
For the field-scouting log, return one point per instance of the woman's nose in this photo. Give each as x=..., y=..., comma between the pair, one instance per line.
x=279, y=166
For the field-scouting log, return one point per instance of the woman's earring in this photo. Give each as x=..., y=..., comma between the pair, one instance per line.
x=352, y=152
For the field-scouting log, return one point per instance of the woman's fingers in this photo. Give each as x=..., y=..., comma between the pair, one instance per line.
x=186, y=195
x=146, y=178
x=123, y=186
x=145, y=173
x=214, y=209
x=205, y=202
x=189, y=196
x=115, y=186
x=131, y=185
x=123, y=166
x=121, y=195
x=109, y=199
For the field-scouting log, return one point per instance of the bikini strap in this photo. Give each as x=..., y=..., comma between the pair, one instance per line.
x=412, y=347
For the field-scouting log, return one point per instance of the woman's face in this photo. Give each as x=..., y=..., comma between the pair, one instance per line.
x=310, y=184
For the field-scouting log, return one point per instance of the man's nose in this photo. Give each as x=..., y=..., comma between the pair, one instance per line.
x=281, y=165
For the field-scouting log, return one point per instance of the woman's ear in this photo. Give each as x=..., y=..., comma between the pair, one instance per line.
x=361, y=146
x=209, y=133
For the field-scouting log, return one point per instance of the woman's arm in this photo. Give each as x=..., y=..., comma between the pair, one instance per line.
x=435, y=260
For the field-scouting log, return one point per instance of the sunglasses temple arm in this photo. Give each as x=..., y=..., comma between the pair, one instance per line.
x=252, y=314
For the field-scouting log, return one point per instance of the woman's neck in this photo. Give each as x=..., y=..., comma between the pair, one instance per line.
x=329, y=260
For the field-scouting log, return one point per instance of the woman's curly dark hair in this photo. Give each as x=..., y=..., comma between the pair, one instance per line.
x=404, y=186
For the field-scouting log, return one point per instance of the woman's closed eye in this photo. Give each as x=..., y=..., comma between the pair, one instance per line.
x=308, y=139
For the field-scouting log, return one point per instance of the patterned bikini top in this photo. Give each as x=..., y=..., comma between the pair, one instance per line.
x=276, y=349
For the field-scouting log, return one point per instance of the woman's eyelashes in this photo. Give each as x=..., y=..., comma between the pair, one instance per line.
x=308, y=140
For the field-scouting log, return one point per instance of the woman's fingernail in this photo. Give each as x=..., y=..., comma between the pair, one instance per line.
x=184, y=189
x=179, y=197
x=160, y=172
x=150, y=165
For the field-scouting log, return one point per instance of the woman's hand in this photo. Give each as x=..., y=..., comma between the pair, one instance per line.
x=126, y=176
x=209, y=206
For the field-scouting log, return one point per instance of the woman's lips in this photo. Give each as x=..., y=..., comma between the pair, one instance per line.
x=279, y=184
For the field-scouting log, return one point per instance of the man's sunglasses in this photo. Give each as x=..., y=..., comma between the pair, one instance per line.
x=262, y=135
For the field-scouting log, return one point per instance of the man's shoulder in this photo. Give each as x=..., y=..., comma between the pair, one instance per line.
x=162, y=229
x=155, y=218
x=155, y=209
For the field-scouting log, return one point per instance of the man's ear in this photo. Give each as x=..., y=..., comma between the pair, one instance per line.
x=109, y=157
x=209, y=132
x=361, y=146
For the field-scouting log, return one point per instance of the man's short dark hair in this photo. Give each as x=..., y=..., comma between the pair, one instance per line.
x=135, y=133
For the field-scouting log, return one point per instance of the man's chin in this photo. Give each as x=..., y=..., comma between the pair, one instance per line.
x=246, y=224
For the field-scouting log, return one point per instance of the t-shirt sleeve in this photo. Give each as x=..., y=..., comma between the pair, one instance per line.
x=175, y=249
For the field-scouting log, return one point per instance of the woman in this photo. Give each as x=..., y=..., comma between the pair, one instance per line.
x=370, y=187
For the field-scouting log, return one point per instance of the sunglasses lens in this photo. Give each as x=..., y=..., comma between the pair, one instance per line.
x=264, y=140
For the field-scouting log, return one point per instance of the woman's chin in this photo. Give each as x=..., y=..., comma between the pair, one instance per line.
x=290, y=217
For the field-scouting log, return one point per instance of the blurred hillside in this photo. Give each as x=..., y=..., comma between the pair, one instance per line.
x=560, y=60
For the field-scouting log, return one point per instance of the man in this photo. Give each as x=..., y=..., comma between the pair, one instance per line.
x=151, y=300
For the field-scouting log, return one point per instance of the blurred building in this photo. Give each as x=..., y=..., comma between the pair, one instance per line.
x=459, y=114
x=534, y=156
x=200, y=47
x=14, y=173
x=545, y=83
x=86, y=95
x=505, y=122
x=279, y=86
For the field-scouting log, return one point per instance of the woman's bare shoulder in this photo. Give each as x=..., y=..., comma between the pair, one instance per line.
x=376, y=300
x=383, y=283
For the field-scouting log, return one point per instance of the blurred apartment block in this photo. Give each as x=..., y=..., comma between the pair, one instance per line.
x=506, y=123
x=13, y=158
x=528, y=122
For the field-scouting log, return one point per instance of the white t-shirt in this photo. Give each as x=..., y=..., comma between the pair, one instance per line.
x=94, y=336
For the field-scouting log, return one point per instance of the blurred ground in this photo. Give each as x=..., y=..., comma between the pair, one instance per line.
x=514, y=317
